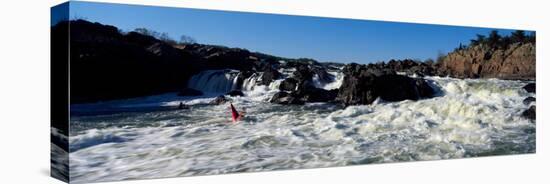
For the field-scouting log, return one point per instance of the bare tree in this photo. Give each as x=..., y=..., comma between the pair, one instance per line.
x=184, y=39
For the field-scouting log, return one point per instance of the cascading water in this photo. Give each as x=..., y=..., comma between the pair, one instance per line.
x=222, y=81
x=337, y=76
x=251, y=81
x=471, y=117
x=214, y=81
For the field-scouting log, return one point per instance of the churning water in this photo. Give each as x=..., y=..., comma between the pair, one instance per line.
x=468, y=118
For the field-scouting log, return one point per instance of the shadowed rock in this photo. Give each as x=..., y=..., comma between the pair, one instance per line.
x=530, y=113
x=530, y=88
x=289, y=84
x=286, y=99
x=528, y=100
x=364, y=83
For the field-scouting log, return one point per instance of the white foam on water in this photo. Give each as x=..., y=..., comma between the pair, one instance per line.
x=468, y=118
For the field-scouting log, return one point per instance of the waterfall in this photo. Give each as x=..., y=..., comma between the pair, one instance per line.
x=251, y=81
x=214, y=81
x=222, y=81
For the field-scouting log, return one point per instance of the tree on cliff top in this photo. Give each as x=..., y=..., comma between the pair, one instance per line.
x=495, y=40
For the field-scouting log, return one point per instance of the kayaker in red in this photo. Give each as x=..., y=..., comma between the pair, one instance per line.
x=235, y=114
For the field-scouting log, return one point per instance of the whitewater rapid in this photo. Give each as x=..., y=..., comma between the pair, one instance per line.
x=471, y=117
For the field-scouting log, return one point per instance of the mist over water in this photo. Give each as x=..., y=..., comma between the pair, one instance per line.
x=468, y=118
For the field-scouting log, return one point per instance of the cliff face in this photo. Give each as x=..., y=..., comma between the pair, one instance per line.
x=481, y=61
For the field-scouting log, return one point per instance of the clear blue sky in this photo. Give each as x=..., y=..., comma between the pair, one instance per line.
x=323, y=39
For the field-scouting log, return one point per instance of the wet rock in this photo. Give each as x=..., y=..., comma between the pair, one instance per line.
x=398, y=88
x=318, y=95
x=530, y=88
x=305, y=92
x=286, y=99
x=303, y=73
x=424, y=89
x=528, y=100
x=530, y=113
x=269, y=75
x=289, y=84
x=322, y=74
x=363, y=84
x=219, y=100
x=190, y=92
x=235, y=93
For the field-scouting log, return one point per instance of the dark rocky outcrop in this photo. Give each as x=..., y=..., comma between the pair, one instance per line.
x=411, y=67
x=517, y=61
x=530, y=113
x=190, y=92
x=289, y=84
x=322, y=73
x=235, y=93
x=363, y=84
x=303, y=95
x=286, y=98
x=528, y=100
x=317, y=95
x=301, y=86
x=269, y=75
x=107, y=64
x=530, y=88
x=303, y=73
x=219, y=100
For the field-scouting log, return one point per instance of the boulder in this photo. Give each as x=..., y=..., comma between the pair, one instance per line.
x=530, y=113
x=530, y=88
x=303, y=73
x=289, y=84
x=190, y=92
x=528, y=100
x=322, y=74
x=235, y=93
x=219, y=100
x=399, y=87
x=269, y=75
x=304, y=92
x=286, y=99
x=318, y=95
x=363, y=84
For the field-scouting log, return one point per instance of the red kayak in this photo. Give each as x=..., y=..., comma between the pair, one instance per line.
x=234, y=113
